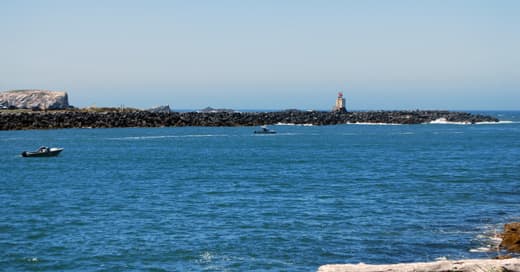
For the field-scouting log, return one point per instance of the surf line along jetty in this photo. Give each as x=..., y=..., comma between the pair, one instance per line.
x=109, y=118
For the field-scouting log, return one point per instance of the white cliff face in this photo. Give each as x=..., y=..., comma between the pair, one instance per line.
x=34, y=99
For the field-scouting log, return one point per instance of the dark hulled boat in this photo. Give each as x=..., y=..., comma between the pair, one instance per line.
x=43, y=152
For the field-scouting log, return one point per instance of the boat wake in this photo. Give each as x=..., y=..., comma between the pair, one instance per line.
x=498, y=123
x=167, y=136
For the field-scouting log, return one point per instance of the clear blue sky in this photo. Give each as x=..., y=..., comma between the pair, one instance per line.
x=264, y=54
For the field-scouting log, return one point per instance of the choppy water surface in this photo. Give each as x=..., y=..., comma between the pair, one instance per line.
x=189, y=199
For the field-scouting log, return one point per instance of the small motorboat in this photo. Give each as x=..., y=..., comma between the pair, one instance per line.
x=43, y=152
x=265, y=130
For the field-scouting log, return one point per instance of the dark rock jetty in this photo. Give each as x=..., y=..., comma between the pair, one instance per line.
x=16, y=120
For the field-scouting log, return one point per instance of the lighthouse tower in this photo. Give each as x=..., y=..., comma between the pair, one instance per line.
x=340, y=104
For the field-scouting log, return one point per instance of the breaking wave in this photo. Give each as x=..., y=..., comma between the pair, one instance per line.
x=373, y=124
x=488, y=240
x=444, y=121
x=293, y=124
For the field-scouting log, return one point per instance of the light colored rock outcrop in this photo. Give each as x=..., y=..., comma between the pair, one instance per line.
x=163, y=109
x=509, y=265
x=34, y=99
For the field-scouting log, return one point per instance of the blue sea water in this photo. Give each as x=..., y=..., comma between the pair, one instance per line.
x=224, y=199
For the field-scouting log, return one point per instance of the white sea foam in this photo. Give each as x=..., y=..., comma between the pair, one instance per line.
x=480, y=249
x=373, y=124
x=444, y=121
x=266, y=134
x=495, y=239
x=293, y=124
x=489, y=240
x=284, y=133
x=206, y=257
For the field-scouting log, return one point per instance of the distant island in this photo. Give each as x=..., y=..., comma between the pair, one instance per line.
x=48, y=110
x=34, y=100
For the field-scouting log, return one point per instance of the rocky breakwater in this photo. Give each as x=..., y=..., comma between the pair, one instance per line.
x=34, y=99
x=12, y=120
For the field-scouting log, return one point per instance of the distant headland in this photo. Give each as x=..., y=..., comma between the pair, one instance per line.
x=37, y=109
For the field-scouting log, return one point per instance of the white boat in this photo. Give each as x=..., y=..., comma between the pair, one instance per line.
x=265, y=130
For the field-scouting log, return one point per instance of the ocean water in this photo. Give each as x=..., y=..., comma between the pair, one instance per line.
x=224, y=199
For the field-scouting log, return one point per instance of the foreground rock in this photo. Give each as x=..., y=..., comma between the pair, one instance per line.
x=10, y=120
x=34, y=99
x=511, y=237
x=508, y=265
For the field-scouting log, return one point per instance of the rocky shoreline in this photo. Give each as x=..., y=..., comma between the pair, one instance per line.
x=476, y=265
x=16, y=120
x=510, y=241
